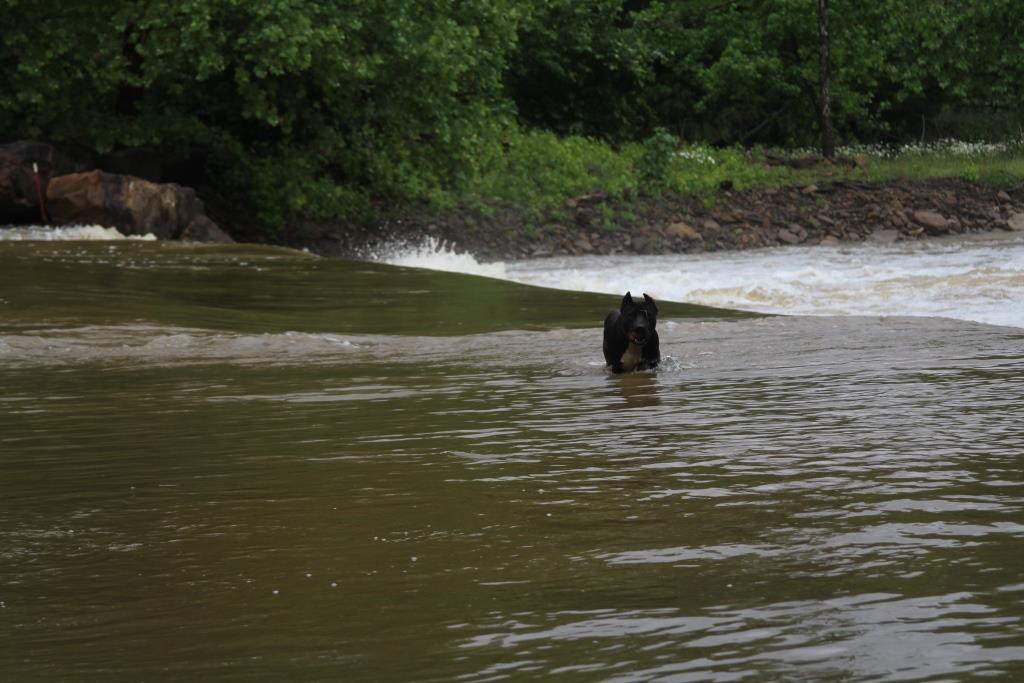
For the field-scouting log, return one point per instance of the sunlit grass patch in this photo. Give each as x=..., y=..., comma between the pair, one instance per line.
x=995, y=163
x=542, y=171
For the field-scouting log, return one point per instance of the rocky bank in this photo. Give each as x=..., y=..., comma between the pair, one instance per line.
x=40, y=183
x=595, y=223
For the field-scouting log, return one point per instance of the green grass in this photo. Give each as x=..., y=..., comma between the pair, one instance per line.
x=995, y=169
x=543, y=171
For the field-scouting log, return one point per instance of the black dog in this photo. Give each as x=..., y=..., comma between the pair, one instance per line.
x=630, y=340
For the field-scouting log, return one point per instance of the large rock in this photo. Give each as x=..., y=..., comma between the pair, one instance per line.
x=683, y=231
x=19, y=201
x=583, y=244
x=788, y=237
x=932, y=221
x=1016, y=222
x=202, y=229
x=132, y=205
x=884, y=236
x=639, y=243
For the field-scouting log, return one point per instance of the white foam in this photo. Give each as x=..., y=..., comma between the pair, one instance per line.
x=434, y=254
x=68, y=233
x=969, y=279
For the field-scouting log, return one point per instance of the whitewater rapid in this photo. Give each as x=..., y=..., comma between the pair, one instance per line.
x=977, y=278
x=68, y=233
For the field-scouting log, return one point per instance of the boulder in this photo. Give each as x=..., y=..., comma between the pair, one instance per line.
x=19, y=202
x=583, y=244
x=788, y=237
x=202, y=229
x=932, y=221
x=884, y=236
x=681, y=230
x=1016, y=222
x=132, y=205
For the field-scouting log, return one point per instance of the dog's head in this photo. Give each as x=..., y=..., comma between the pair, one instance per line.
x=638, y=318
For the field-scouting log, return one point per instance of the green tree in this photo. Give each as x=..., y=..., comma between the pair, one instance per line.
x=579, y=67
x=306, y=108
x=323, y=109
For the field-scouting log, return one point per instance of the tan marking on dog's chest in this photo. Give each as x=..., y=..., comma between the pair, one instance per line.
x=631, y=356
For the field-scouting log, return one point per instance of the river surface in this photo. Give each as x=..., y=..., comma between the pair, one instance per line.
x=242, y=463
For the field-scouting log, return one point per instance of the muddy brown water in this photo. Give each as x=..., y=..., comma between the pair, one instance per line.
x=235, y=463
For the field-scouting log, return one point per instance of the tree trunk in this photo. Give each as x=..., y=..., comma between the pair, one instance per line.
x=828, y=137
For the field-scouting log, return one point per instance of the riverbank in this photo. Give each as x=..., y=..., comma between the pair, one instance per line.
x=706, y=201
x=549, y=196
x=729, y=219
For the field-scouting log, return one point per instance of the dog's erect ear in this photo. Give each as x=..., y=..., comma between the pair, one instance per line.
x=650, y=302
x=626, y=301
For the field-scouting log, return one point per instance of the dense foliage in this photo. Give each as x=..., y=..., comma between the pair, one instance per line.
x=317, y=109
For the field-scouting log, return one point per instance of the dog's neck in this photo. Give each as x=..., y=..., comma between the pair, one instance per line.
x=631, y=356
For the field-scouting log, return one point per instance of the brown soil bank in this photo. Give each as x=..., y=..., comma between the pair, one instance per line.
x=832, y=213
